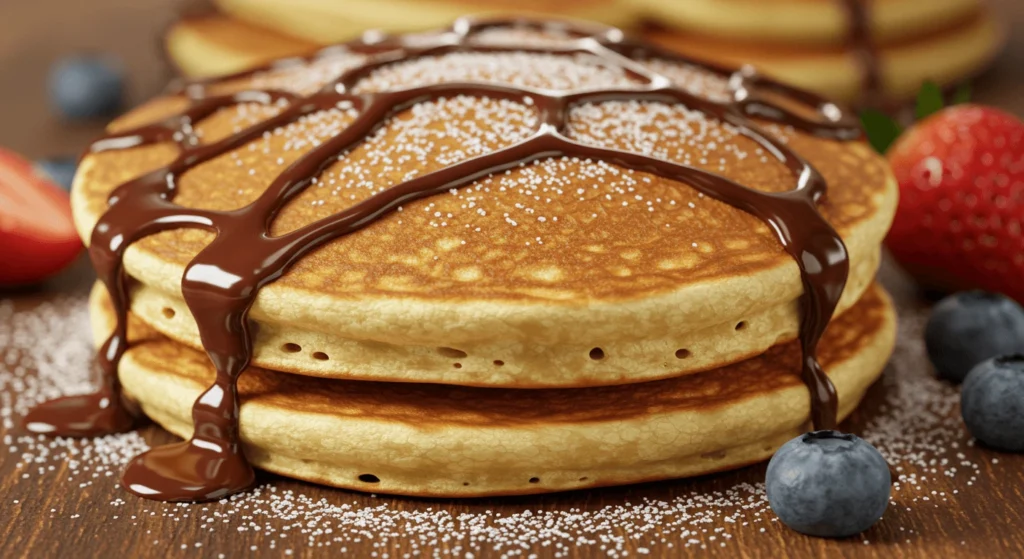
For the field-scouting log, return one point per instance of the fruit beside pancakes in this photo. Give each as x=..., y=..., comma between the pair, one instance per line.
x=961, y=177
x=561, y=271
x=850, y=50
x=37, y=237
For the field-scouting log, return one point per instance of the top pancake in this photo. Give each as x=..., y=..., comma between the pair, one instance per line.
x=522, y=258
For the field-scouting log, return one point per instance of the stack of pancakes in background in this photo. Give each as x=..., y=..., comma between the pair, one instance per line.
x=233, y=35
x=857, y=51
x=564, y=323
x=851, y=50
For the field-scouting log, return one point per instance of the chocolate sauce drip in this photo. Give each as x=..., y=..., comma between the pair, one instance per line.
x=862, y=46
x=221, y=283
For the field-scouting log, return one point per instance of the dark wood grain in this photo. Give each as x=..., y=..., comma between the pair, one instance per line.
x=48, y=515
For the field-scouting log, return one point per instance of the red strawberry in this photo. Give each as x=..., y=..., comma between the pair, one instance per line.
x=37, y=237
x=961, y=211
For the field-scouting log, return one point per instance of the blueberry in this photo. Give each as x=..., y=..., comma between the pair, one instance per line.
x=992, y=402
x=970, y=327
x=60, y=170
x=86, y=87
x=828, y=484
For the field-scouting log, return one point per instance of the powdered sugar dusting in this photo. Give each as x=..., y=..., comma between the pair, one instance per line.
x=46, y=352
x=306, y=79
x=913, y=429
x=547, y=38
x=527, y=206
x=694, y=80
x=520, y=69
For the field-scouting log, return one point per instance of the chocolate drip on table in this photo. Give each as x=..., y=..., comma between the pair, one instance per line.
x=222, y=281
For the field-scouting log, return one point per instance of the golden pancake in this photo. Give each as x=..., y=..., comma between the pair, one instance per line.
x=563, y=272
x=814, y=44
x=217, y=45
x=331, y=21
x=212, y=45
x=805, y=22
x=464, y=442
x=944, y=56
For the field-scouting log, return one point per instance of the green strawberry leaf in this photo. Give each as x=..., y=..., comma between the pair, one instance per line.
x=929, y=100
x=962, y=94
x=880, y=129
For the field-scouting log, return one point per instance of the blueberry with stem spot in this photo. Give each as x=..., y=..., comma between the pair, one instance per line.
x=992, y=402
x=84, y=87
x=828, y=484
x=969, y=327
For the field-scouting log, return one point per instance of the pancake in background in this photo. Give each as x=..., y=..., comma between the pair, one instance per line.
x=944, y=56
x=331, y=21
x=211, y=45
x=805, y=42
x=489, y=286
x=443, y=441
x=805, y=22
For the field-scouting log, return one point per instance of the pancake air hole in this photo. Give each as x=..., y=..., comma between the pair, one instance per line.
x=457, y=365
x=465, y=483
x=369, y=478
x=168, y=312
x=534, y=480
x=291, y=348
x=499, y=363
x=584, y=478
x=683, y=353
x=452, y=352
x=320, y=356
x=597, y=354
x=741, y=325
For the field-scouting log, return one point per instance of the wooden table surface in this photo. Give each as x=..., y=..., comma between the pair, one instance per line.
x=61, y=499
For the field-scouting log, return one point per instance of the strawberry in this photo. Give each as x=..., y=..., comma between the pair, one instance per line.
x=37, y=237
x=961, y=211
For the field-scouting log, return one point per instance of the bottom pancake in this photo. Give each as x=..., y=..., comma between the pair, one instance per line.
x=447, y=441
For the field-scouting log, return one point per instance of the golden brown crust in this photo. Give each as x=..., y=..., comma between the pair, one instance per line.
x=459, y=442
x=424, y=404
x=560, y=231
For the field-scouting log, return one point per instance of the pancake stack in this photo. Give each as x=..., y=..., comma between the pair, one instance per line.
x=240, y=34
x=511, y=256
x=875, y=52
x=864, y=51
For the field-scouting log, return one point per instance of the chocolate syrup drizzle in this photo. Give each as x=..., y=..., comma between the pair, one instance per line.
x=222, y=281
x=861, y=44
